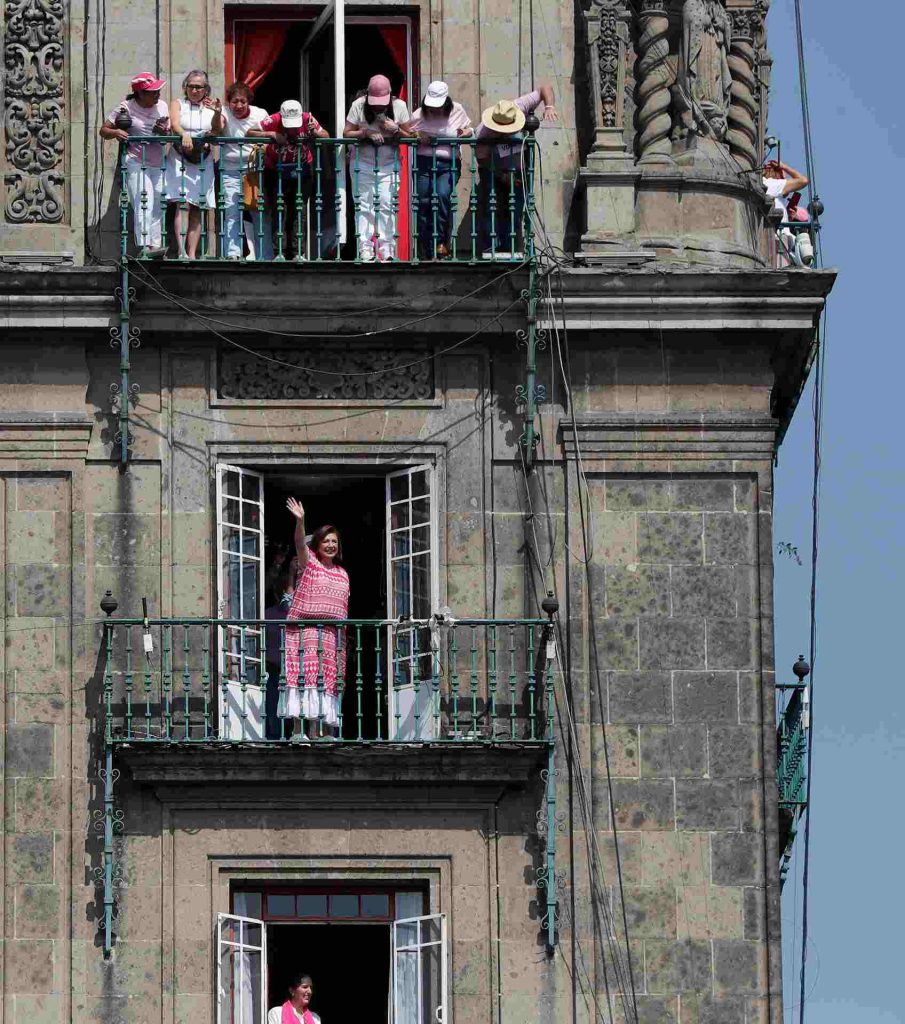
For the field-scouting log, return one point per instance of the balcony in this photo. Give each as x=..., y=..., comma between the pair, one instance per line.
x=190, y=699
x=455, y=200
x=791, y=766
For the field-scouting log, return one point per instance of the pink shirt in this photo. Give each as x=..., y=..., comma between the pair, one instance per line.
x=507, y=152
x=143, y=120
x=439, y=127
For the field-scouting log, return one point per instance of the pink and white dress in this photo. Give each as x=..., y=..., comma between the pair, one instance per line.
x=322, y=592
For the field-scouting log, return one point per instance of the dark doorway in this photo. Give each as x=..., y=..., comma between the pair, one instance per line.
x=332, y=954
x=356, y=506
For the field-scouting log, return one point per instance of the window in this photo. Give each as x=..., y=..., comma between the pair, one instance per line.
x=400, y=952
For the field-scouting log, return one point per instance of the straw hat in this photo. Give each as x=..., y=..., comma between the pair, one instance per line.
x=504, y=117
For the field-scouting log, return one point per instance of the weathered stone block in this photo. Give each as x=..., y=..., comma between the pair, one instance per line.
x=706, y=697
x=643, y=804
x=736, y=965
x=31, y=537
x=677, y=966
x=623, y=750
x=38, y=803
x=29, y=751
x=40, y=590
x=698, y=1008
x=729, y=538
x=657, y=1009
x=730, y=643
x=29, y=965
x=617, y=643
x=30, y=1009
x=737, y=858
x=637, y=590
x=30, y=858
x=641, y=495
x=673, y=750
x=31, y=645
x=670, y=538
x=679, y=857
x=37, y=911
x=126, y=538
x=694, y=495
x=672, y=644
x=614, y=538
x=703, y=590
x=640, y=696
x=734, y=751
x=754, y=915
x=651, y=911
x=709, y=912
x=703, y=804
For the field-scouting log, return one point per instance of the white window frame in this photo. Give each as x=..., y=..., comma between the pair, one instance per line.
x=242, y=718
x=440, y=1014
x=238, y=1016
x=425, y=728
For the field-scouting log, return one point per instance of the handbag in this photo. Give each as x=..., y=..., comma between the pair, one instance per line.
x=194, y=155
x=251, y=181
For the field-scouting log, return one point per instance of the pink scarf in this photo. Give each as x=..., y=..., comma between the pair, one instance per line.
x=290, y=1017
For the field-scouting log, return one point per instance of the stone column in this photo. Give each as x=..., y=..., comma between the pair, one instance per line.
x=655, y=77
x=747, y=25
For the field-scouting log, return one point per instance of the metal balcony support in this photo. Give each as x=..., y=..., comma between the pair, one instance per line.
x=125, y=336
x=530, y=394
x=548, y=821
x=108, y=821
x=791, y=767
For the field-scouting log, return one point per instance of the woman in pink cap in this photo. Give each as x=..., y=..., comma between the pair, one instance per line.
x=376, y=118
x=142, y=113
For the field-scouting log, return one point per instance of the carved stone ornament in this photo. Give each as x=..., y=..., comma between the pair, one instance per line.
x=375, y=374
x=655, y=76
x=609, y=57
x=33, y=118
x=703, y=81
x=747, y=30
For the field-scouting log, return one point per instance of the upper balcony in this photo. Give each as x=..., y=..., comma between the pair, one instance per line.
x=328, y=201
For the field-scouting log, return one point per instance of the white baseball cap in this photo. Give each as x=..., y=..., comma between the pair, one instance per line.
x=437, y=94
x=291, y=114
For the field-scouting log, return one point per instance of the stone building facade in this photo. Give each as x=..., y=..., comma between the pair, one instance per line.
x=671, y=352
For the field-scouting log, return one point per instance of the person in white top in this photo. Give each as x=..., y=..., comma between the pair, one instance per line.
x=235, y=122
x=437, y=167
x=142, y=113
x=296, y=1009
x=189, y=176
x=780, y=181
x=376, y=118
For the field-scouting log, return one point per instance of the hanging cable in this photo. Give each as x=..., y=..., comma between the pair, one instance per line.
x=806, y=118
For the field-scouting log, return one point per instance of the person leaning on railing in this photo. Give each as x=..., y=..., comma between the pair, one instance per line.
x=782, y=182
x=288, y=161
x=235, y=122
x=142, y=113
x=376, y=117
x=190, y=166
x=437, y=166
x=501, y=181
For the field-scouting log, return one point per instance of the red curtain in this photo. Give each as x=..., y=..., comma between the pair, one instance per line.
x=258, y=47
x=395, y=39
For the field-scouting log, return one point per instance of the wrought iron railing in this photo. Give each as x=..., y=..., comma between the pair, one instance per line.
x=463, y=200
x=791, y=766
x=189, y=681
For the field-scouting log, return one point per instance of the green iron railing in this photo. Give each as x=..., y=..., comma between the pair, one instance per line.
x=190, y=681
x=791, y=767
x=462, y=200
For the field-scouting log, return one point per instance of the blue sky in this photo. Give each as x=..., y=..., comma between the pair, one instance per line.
x=857, y=893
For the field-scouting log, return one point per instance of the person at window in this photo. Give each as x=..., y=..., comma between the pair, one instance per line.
x=314, y=673
x=501, y=181
x=297, y=1008
x=280, y=591
x=437, y=166
x=235, y=122
x=288, y=165
x=142, y=113
x=190, y=166
x=782, y=183
x=377, y=118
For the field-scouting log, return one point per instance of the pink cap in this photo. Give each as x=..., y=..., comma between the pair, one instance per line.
x=379, y=90
x=144, y=81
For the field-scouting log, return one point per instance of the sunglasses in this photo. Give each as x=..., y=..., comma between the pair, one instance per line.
x=193, y=85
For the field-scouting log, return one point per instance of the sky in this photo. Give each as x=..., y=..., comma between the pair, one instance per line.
x=857, y=891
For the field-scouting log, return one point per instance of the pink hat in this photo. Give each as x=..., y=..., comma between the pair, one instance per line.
x=144, y=81
x=379, y=90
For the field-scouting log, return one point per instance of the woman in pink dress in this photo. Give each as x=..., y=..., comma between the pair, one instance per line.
x=316, y=660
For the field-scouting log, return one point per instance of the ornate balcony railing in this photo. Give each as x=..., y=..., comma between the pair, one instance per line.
x=791, y=767
x=191, y=681
x=461, y=200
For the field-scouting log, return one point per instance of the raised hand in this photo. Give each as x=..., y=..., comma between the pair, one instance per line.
x=296, y=508
x=550, y=113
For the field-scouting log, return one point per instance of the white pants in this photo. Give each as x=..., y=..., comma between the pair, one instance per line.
x=234, y=209
x=144, y=187
x=364, y=177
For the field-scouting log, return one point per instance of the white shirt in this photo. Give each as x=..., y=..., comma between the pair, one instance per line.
x=275, y=1016
x=774, y=187
x=230, y=155
x=195, y=119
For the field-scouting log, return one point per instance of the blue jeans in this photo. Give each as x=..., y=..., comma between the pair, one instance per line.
x=434, y=186
x=504, y=187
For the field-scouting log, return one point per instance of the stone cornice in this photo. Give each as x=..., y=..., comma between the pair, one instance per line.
x=30, y=436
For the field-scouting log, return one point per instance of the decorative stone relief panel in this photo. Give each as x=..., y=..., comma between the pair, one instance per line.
x=33, y=116
x=303, y=374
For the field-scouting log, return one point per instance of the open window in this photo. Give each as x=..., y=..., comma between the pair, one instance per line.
x=241, y=970
x=420, y=970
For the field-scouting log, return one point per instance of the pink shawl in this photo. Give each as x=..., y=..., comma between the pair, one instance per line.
x=290, y=1017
